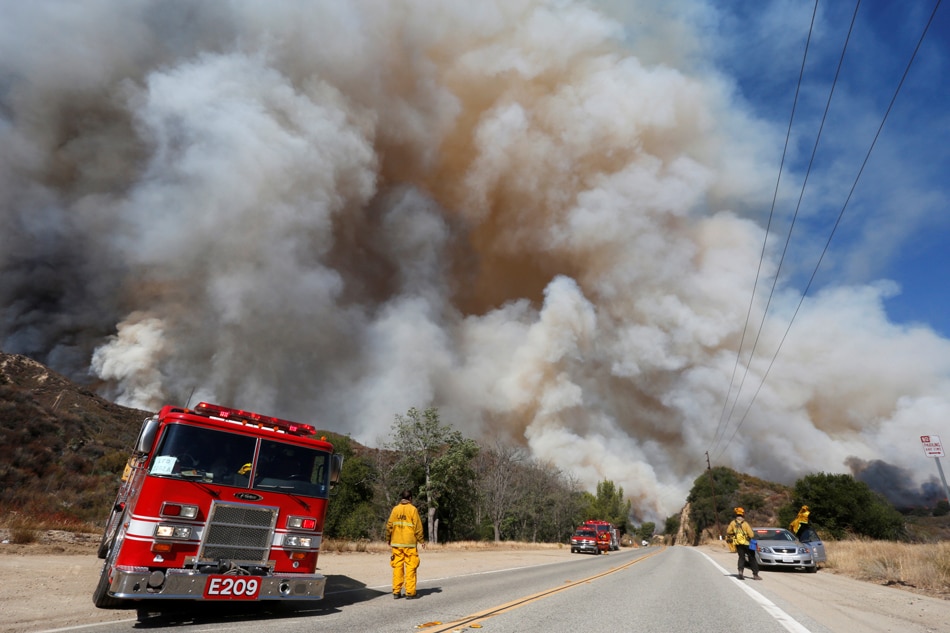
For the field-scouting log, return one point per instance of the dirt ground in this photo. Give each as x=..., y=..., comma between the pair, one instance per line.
x=48, y=585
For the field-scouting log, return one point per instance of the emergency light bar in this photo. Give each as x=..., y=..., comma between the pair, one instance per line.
x=249, y=417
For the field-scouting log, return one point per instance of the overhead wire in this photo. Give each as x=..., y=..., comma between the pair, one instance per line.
x=791, y=228
x=722, y=415
x=841, y=213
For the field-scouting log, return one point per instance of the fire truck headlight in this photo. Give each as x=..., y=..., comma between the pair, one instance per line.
x=301, y=523
x=172, y=531
x=297, y=541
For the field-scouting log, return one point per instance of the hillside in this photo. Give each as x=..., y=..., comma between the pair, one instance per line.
x=62, y=447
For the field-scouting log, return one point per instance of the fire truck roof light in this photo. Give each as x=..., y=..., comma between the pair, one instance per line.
x=238, y=415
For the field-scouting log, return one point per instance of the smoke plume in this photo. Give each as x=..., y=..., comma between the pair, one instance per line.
x=333, y=212
x=897, y=484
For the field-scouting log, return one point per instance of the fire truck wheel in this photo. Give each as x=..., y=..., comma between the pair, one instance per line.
x=101, y=597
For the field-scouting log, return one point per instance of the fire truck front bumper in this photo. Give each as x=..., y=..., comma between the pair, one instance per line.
x=584, y=546
x=139, y=583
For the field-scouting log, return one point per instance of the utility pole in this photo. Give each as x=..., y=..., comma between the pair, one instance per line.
x=715, y=503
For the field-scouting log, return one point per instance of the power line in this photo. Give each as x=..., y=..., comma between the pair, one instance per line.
x=844, y=207
x=801, y=73
x=788, y=237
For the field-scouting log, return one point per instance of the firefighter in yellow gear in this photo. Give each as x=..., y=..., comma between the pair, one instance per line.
x=404, y=533
x=741, y=534
x=801, y=519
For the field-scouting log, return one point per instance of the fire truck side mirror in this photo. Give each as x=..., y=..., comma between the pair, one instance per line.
x=146, y=435
x=336, y=467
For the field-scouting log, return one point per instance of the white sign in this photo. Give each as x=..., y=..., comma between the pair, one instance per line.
x=932, y=445
x=165, y=465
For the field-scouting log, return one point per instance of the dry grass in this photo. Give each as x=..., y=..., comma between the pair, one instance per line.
x=924, y=568
x=23, y=536
x=18, y=521
x=21, y=530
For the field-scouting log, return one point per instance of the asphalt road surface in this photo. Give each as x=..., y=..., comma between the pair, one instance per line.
x=647, y=590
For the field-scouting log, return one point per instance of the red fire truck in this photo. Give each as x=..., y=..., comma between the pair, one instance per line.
x=605, y=532
x=585, y=539
x=218, y=504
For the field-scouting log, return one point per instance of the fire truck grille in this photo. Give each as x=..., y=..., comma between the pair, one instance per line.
x=238, y=532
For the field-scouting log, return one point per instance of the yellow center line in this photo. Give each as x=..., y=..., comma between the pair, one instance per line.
x=520, y=602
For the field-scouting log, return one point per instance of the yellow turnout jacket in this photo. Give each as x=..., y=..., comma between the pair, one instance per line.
x=740, y=532
x=404, y=528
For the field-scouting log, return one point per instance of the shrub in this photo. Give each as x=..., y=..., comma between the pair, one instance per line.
x=23, y=535
x=843, y=505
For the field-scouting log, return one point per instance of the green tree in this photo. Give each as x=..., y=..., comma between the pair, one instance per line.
x=609, y=505
x=351, y=513
x=843, y=505
x=645, y=531
x=453, y=487
x=707, y=510
x=672, y=525
x=439, y=453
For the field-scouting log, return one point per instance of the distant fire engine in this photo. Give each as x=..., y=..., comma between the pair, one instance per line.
x=218, y=504
x=585, y=539
x=605, y=532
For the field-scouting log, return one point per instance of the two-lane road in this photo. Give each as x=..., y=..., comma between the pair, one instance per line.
x=648, y=590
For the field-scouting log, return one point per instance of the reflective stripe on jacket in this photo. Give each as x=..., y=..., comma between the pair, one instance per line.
x=404, y=528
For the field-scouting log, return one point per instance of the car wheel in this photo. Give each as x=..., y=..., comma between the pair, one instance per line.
x=812, y=570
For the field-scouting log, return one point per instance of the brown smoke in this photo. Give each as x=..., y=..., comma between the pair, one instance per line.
x=336, y=212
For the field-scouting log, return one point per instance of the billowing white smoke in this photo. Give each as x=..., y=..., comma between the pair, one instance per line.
x=333, y=212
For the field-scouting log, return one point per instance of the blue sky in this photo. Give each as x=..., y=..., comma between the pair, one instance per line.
x=895, y=225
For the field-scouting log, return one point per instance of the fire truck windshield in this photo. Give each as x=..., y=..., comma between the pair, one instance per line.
x=212, y=456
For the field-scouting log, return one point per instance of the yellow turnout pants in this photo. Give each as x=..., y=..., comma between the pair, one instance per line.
x=405, y=561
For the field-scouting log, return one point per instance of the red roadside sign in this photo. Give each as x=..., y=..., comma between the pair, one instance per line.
x=932, y=445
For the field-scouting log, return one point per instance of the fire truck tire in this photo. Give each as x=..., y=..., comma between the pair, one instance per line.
x=101, y=597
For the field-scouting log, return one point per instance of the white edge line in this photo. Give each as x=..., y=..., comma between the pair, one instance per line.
x=787, y=621
x=79, y=627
